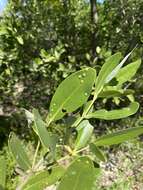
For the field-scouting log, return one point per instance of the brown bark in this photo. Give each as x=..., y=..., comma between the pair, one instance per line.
x=94, y=20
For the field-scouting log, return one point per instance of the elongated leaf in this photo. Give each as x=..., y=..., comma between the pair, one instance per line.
x=106, y=70
x=72, y=93
x=48, y=139
x=110, y=70
x=119, y=137
x=43, y=179
x=110, y=93
x=85, y=130
x=115, y=114
x=116, y=70
x=127, y=72
x=2, y=173
x=80, y=175
x=97, y=152
x=19, y=152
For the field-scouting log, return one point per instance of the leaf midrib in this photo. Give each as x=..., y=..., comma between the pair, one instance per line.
x=26, y=162
x=62, y=105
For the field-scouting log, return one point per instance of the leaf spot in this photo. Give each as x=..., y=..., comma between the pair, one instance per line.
x=73, y=173
x=83, y=74
x=64, y=110
x=82, y=81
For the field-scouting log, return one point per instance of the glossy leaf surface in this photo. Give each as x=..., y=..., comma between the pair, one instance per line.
x=72, y=93
x=85, y=130
x=106, y=70
x=127, y=72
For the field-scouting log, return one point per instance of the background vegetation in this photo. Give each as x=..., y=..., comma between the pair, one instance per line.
x=42, y=42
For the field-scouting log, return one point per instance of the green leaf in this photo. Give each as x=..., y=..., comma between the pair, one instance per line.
x=85, y=130
x=115, y=114
x=72, y=93
x=97, y=152
x=48, y=139
x=127, y=72
x=43, y=179
x=2, y=173
x=111, y=92
x=116, y=69
x=19, y=152
x=110, y=70
x=131, y=97
x=106, y=70
x=3, y=30
x=119, y=137
x=20, y=40
x=80, y=175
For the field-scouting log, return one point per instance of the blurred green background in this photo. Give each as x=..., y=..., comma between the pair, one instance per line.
x=42, y=42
